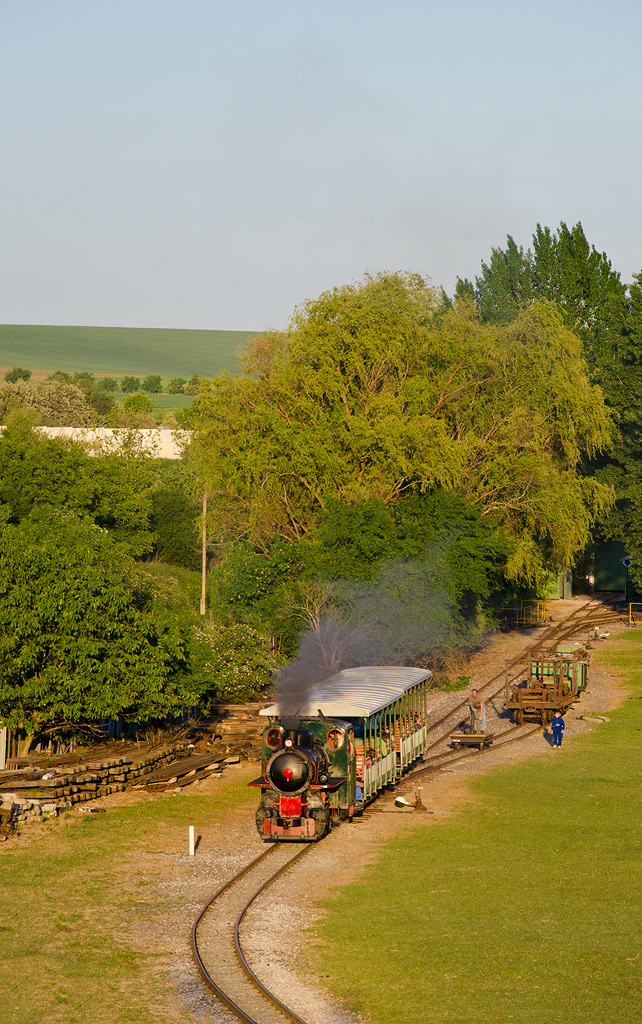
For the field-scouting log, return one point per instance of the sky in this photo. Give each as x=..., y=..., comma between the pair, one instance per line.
x=209, y=165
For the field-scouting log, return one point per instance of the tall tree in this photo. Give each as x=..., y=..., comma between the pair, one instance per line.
x=78, y=641
x=505, y=285
x=565, y=269
x=376, y=392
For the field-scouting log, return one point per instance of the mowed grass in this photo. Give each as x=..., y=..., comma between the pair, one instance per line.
x=65, y=914
x=525, y=907
x=121, y=350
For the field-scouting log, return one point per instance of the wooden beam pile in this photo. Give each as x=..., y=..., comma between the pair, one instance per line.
x=184, y=772
x=36, y=793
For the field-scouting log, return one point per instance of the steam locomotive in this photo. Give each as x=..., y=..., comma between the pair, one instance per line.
x=345, y=740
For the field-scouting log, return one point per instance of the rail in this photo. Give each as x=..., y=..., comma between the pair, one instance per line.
x=255, y=996
x=587, y=616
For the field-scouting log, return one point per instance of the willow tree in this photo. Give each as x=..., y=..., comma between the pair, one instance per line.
x=374, y=393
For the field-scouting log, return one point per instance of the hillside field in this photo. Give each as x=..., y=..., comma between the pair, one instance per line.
x=121, y=350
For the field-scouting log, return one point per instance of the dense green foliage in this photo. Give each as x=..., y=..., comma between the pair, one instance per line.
x=236, y=661
x=95, y=393
x=87, y=632
x=52, y=403
x=78, y=643
x=606, y=315
x=384, y=476
x=137, y=402
x=16, y=374
x=174, y=518
x=374, y=395
x=152, y=383
x=113, y=491
x=402, y=585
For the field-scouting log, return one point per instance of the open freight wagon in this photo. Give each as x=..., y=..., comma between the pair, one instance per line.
x=556, y=680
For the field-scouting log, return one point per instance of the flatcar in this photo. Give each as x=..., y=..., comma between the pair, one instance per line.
x=556, y=680
x=347, y=738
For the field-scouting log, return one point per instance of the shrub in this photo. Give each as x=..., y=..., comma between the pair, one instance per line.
x=138, y=402
x=235, y=663
x=18, y=373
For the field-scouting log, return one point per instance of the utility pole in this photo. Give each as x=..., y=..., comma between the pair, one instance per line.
x=204, y=561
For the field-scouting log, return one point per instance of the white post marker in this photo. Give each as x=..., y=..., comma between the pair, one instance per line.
x=191, y=840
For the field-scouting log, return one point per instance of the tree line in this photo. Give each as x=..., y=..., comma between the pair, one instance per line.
x=382, y=479
x=80, y=399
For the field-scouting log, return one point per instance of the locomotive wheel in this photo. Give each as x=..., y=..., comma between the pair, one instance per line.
x=519, y=717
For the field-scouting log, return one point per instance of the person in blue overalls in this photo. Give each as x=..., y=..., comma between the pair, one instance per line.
x=557, y=728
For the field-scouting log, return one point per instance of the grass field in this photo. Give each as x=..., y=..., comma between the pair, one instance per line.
x=65, y=955
x=121, y=350
x=163, y=403
x=524, y=908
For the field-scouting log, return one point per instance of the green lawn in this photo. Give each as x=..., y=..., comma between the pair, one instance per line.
x=526, y=907
x=121, y=350
x=65, y=913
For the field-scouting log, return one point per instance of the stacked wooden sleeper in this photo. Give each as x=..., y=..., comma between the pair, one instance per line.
x=31, y=794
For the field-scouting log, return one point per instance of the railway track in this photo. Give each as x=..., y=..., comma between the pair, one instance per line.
x=217, y=944
x=588, y=617
x=217, y=932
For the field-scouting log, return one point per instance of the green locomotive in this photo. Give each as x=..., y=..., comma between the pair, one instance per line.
x=342, y=742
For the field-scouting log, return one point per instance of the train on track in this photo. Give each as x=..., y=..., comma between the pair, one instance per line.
x=347, y=738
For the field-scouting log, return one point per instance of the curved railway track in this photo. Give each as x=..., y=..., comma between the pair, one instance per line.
x=589, y=616
x=217, y=932
x=217, y=944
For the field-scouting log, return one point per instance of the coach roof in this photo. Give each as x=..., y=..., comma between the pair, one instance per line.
x=352, y=693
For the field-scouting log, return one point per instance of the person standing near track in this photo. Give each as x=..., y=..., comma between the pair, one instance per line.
x=478, y=712
x=557, y=728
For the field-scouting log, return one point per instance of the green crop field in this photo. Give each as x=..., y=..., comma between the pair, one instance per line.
x=524, y=908
x=121, y=350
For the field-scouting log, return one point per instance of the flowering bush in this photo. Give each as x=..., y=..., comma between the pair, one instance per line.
x=236, y=660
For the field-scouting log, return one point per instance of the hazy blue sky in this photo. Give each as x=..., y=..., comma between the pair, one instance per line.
x=207, y=164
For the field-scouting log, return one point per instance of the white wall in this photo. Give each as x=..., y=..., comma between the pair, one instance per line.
x=160, y=442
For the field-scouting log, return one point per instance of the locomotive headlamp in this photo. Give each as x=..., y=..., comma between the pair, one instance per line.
x=288, y=743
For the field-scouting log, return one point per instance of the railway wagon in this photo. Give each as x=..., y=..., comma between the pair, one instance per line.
x=348, y=738
x=556, y=680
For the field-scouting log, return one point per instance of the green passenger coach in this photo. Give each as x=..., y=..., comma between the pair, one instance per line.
x=330, y=751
